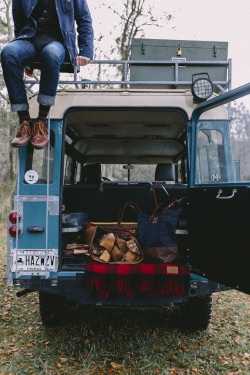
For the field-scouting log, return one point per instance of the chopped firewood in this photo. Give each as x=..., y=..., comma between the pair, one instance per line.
x=116, y=254
x=81, y=251
x=121, y=244
x=105, y=256
x=130, y=256
x=132, y=245
x=108, y=241
x=97, y=250
x=73, y=246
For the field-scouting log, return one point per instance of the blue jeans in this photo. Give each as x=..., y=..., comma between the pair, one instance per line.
x=19, y=53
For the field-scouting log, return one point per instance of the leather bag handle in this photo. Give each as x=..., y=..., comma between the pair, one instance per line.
x=164, y=210
x=154, y=192
x=132, y=205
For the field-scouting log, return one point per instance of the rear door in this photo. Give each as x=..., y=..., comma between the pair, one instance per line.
x=37, y=202
x=220, y=194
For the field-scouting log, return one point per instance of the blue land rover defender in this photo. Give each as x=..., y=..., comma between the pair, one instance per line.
x=173, y=112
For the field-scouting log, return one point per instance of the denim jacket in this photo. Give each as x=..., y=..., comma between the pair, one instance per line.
x=68, y=11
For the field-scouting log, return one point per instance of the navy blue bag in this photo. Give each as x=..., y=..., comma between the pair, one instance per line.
x=158, y=229
x=156, y=232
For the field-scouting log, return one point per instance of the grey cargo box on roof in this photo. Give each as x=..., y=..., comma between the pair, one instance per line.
x=184, y=50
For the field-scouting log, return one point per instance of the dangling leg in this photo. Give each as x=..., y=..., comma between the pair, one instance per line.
x=52, y=57
x=14, y=57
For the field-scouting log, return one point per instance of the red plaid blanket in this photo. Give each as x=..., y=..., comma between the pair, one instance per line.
x=130, y=280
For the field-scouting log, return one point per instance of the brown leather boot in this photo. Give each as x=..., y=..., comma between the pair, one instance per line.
x=40, y=137
x=23, y=135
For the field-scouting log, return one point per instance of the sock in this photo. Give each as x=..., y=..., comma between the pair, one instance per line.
x=24, y=116
x=43, y=112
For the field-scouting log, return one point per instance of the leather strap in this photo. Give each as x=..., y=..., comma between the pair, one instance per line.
x=164, y=210
x=154, y=192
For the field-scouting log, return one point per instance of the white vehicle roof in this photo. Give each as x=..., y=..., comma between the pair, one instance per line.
x=91, y=98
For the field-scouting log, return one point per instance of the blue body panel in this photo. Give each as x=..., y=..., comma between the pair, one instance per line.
x=33, y=200
x=34, y=214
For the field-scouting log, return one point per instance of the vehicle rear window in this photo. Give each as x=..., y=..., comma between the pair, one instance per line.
x=37, y=161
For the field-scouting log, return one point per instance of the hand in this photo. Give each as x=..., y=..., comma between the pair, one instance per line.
x=82, y=60
x=29, y=72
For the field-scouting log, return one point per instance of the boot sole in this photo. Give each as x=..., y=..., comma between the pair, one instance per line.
x=16, y=145
x=39, y=147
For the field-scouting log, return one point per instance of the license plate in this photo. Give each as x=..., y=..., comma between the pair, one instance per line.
x=35, y=261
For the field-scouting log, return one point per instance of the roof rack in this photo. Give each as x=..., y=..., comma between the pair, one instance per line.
x=125, y=82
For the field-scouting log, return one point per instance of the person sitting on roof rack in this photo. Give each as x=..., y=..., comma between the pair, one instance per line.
x=44, y=31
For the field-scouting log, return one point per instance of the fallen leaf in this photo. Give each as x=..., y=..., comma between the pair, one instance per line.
x=63, y=360
x=87, y=341
x=92, y=333
x=60, y=352
x=237, y=341
x=194, y=369
x=115, y=365
x=246, y=363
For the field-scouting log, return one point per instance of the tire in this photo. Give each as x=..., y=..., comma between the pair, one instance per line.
x=195, y=315
x=54, y=309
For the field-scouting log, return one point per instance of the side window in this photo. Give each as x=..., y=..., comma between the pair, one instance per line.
x=69, y=169
x=37, y=160
x=77, y=178
x=181, y=171
x=211, y=161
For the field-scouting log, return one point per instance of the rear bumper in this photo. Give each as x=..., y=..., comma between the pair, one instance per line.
x=75, y=290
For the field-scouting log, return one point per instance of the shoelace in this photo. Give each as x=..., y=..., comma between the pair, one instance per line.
x=38, y=129
x=26, y=126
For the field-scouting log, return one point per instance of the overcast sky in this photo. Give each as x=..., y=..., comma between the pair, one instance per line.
x=214, y=20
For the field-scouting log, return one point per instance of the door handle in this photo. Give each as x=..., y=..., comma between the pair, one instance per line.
x=234, y=191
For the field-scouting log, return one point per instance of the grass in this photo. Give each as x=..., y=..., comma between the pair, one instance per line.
x=118, y=342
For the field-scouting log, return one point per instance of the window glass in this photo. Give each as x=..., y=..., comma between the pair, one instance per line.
x=73, y=172
x=240, y=140
x=37, y=160
x=69, y=168
x=78, y=173
x=182, y=171
x=132, y=172
x=211, y=161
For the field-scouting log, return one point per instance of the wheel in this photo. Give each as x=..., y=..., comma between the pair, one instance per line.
x=195, y=315
x=54, y=309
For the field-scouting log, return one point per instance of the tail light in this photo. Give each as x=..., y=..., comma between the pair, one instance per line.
x=12, y=231
x=13, y=217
